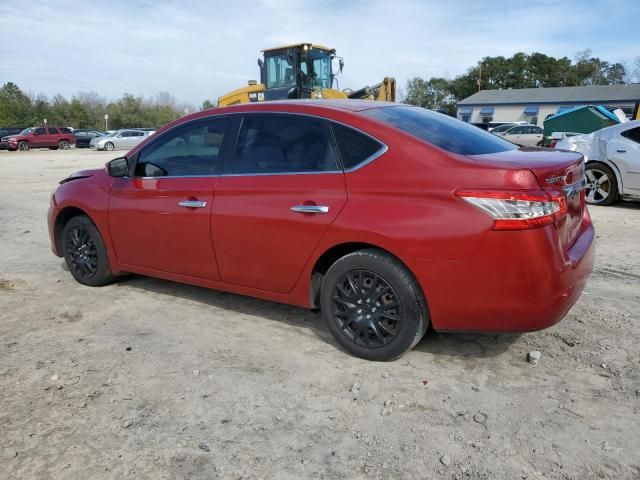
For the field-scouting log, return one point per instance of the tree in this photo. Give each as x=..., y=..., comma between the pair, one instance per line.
x=206, y=105
x=15, y=106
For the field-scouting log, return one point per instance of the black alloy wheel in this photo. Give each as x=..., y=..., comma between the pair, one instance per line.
x=373, y=305
x=85, y=253
x=366, y=309
x=82, y=251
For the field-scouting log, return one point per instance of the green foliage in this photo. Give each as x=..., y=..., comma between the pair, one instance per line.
x=86, y=110
x=15, y=106
x=206, y=105
x=519, y=71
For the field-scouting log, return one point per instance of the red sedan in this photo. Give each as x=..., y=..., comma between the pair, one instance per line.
x=386, y=217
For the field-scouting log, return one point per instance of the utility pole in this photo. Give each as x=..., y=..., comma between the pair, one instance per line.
x=480, y=78
x=106, y=122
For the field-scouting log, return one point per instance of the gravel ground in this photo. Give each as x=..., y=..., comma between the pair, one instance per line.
x=151, y=379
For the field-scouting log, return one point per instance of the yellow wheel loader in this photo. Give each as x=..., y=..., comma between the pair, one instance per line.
x=303, y=70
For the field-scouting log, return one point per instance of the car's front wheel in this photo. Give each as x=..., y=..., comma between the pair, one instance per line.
x=373, y=305
x=602, y=186
x=85, y=253
x=108, y=146
x=23, y=146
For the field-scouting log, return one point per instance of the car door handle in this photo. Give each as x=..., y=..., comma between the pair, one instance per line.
x=192, y=204
x=621, y=151
x=310, y=209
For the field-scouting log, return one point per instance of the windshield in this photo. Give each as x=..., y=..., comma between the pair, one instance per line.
x=26, y=131
x=441, y=130
x=315, y=66
x=315, y=69
x=280, y=73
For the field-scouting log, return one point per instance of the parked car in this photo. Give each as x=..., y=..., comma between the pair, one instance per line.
x=612, y=157
x=150, y=131
x=40, y=137
x=492, y=126
x=6, y=132
x=85, y=135
x=506, y=126
x=523, y=135
x=387, y=217
x=119, y=140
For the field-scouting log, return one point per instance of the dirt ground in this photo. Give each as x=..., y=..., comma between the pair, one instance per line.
x=151, y=379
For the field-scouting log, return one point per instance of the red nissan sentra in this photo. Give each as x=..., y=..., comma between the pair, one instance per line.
x=386, y=217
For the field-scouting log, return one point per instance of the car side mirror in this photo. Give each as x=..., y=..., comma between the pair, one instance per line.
x=118, y=167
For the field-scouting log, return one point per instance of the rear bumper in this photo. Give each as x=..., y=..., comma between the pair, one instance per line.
x=516, y=281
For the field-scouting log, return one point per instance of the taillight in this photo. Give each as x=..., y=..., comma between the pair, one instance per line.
x=518, y=210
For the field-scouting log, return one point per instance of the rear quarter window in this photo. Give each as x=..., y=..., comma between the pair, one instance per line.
x=632, y=134
x=441, y=130
x=355, y=147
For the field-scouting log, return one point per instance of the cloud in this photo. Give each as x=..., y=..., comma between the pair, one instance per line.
x=197, y=49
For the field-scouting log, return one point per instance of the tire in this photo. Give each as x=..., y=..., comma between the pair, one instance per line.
x=63, y=145
x=387, y=318
x=85, y=253
x=23, y=146
x=109, y=146
x=602, y=184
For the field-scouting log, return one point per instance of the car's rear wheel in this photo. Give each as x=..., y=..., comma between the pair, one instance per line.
x=23, y=146
x=64, y=145
x=85, y=253
x=108, y=146
x=602, y=185
x=373, y=305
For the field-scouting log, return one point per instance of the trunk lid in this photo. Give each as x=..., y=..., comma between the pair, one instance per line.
x=559, y=173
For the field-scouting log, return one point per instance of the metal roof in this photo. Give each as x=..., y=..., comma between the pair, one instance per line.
x=295, y=45
x=556, y=95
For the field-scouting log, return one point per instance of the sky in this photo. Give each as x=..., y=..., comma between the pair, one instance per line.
x=198, y=50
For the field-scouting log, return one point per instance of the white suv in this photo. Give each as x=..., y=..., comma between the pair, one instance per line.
x=612, y=157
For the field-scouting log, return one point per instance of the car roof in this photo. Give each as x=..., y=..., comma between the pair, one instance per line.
x=346, y=104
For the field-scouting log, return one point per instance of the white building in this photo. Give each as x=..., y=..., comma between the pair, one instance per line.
x=533, y=105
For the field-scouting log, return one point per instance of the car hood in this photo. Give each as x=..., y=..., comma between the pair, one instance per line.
x=80, y=174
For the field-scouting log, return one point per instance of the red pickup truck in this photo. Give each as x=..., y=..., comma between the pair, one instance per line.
x=40, y=137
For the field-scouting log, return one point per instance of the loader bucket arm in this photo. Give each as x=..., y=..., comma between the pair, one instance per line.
x=384, y=91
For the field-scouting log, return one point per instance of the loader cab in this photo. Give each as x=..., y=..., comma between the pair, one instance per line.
x=296, y=71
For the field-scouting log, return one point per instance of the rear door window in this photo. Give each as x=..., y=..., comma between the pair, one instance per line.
x=53, y=131
x=281, y=144
x=440, y=130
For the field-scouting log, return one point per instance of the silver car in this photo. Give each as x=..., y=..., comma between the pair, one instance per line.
x=119, y=140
